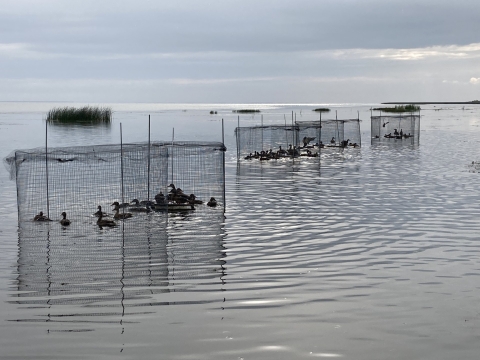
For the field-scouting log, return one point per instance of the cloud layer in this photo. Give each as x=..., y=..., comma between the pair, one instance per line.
x=239, y=51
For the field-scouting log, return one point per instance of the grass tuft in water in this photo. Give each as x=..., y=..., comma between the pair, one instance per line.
x=85, y=115
x=246, y=111
x=400, y=109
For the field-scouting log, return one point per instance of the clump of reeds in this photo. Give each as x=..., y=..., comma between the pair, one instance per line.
x=85, y=116
x=400, y=108
x=246, y=111
x=322, y=109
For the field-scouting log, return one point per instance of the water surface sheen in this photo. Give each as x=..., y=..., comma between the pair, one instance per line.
x=369, y=253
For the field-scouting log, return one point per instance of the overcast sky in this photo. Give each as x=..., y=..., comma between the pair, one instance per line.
x=245, y=51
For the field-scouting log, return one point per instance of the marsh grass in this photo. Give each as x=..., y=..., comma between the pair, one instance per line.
x=246, y=111
x=400, y=109
x=322, y=109
x=87, y=115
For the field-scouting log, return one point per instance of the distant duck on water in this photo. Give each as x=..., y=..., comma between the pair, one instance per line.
x=99, y=212
x=138, y=207
x=65, y=221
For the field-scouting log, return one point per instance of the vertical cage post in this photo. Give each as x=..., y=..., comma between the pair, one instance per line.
x=173, y=138
x=121, y=168
x=238, y=138
x=148, y=164
x=262, y=129
x=223, y=155
x=46, y=167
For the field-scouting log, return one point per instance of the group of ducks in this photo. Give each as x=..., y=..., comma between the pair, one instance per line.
x=175, y=197
x=294, y=151
x=397, y=135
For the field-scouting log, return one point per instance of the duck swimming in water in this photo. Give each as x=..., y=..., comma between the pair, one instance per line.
x=306, y=140
x=192, y=199
x=99, y=212
x=117, y=215
x=105, y=222
x=65, y=221
x=138, y=207
x=212, y=202
x=332, y=141
x=40, y=217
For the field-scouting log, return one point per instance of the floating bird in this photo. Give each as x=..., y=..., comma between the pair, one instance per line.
x=117, y=215
x=65, y=221
x=212, y=202
x=105, y=222
x=332, y=141
x=160, y=198
x=40, y=217
x=99, y=212
x=138, y=207
x=193, y=199
x=306, y=140
x=385, y=123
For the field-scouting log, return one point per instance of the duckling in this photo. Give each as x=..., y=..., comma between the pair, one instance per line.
x=212, y=202
x=117, y=212
x=40, y=217
x=65, y=221
x=103, y=222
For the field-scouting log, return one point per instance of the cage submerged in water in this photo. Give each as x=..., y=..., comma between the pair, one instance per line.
x=79, y=179
x=303, y=138
x=390, y=128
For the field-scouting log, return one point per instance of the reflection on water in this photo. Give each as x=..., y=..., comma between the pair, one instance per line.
x=74, y=281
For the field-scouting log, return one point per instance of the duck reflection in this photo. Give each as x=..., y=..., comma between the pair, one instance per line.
x=85, y=275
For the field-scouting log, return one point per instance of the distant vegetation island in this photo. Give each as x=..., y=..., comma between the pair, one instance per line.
x=399, y=108
x=246, y=111
x=87, y=115
x=475, y=102
x=322, y=109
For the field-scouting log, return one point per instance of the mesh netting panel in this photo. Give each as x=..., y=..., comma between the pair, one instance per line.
x=264, y=138
x=198, y=169
x=81, y=178
x=397, y=127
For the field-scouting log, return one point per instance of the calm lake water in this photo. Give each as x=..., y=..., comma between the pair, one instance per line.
x=371, y=253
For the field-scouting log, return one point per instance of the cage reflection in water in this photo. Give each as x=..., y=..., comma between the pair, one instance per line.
x=396, y=128
x=304, y=138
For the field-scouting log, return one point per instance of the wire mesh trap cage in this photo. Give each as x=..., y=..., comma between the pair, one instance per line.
x=301, y=139
x=396, y=128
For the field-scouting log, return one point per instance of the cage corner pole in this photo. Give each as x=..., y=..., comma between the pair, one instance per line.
x=261, y=122
x=223, y=153
x=238, y=138
x=121, y=171
x=319, y=137
x=293, y=141
x=148, y=164
x=46, y=167
x=173, y=139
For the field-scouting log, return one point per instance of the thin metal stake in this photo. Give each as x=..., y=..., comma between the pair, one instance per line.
x=173, y=137
x=46, y=167
x=121, y=169
x=148, y=165
x=238, y=138
x=223, y=153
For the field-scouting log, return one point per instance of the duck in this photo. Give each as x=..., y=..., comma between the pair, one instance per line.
x=212, y=202
x=40, y=217
x=65, y=221
x=306, y=140
x=193, y=199
x=139, y=207
x=99, y=212
x=332, y=141
x=117, y=215
x=105, y=222
x=160, y=198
